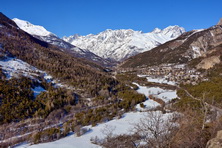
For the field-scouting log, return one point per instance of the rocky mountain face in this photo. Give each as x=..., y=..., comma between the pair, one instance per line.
x=220, y=22
x=121, y=44
x=196, y=44
x=215, y=142
x=41, y=33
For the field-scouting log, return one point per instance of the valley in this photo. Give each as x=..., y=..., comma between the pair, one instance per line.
x=118, y=88
x=120, y=126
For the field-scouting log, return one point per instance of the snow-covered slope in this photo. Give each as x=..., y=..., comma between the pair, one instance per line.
x=13, y=67
x=120, y=44
x=44, y=35
x=32, y=29
x=41, y=33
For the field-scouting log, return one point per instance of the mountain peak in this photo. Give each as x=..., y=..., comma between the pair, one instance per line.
x=75, y=36
x=182, y=50
x=173, y=31
x=123, y=43
x=157, y=30
x=175, y=27
x=32, y=29
x=220, y=22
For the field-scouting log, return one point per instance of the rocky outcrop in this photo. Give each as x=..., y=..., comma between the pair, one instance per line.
x=208, y=62
x=215, y=142
x=220, y=22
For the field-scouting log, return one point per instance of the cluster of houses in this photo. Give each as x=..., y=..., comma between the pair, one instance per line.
x=176, y=73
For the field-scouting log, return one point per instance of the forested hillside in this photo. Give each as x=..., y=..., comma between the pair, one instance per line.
x=76, y=72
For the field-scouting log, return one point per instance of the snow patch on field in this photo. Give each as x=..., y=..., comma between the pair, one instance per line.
x=164, y=94
x=157, y=80
x=168, y=95
x=148, y=90
x=149, y=104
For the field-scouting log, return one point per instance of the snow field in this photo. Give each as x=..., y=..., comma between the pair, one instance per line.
x=165, y=95
x=15, y=67
x=120, y=126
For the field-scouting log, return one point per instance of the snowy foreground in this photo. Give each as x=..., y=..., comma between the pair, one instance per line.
x=119, y=126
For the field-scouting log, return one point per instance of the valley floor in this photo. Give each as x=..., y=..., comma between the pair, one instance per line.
x=120, y=126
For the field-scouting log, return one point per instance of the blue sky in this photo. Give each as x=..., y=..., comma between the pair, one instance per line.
x=68, y=17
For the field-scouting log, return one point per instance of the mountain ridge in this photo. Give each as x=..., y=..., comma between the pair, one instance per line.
x=32, y=29
x=41, y=33
x=123, y=43
x=107, y=47
x=195, y=44
x=220, y=22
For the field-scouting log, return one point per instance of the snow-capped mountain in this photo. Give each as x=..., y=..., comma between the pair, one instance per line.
x=114, y=45
x=41, y=33
x=120, y=44
x=32, y=29
x=203, y=45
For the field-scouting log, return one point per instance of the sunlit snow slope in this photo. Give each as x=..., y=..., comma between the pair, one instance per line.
x=120, y=44
x=32, y=29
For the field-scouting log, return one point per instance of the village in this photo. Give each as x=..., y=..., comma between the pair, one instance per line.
x=180, y=74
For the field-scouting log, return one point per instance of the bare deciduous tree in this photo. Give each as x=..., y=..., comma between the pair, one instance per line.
x=204, y=109
x=108, y=131
x=77, y=130
x=155, y=129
